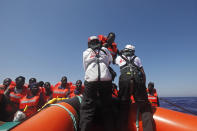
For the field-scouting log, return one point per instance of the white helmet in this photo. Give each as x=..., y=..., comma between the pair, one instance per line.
x=130, y=47
x=92, y=38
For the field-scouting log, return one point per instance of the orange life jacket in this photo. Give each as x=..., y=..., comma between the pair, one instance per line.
x=102, y=38
x=112, y=49
x=32, y=105
x=153, y=98
x=61, y=93
x=46, y=97
x=15, y=97
x=12, y=84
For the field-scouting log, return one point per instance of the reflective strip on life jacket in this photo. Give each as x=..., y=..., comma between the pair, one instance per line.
x=15, y=96
x=153, y=100
x=59, y=92
x=32, y=105
x=28, y=101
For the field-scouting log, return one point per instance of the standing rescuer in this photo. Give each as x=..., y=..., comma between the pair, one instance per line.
x=132, y=82
x=98, y=85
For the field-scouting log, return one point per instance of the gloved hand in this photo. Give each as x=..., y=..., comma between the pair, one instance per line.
x=19, y=116
x=120, y=52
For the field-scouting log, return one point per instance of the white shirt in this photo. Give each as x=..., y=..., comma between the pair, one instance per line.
x=121, y=62
x=91, y=66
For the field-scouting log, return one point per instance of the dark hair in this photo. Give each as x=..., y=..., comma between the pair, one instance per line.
x=64, y=77
x=32, y=80
x=41, y=83
x=20, y=77
x=7, y=79
x=79, y=81
x=151, y=84
x=47, y=83
x=111, y=33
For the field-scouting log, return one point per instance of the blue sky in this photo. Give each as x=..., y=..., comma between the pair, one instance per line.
x=46, y=38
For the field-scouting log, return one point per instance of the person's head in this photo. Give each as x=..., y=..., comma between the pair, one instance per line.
x=41, y=83
x=78, y=84
x=64, y=81
x=20, y=81
x=94, y=42
x=7, y=82
x=34, y=88
x=32, y=80
x=150, y=86
x=129, y=50
x=111, y=37
x=47, y=87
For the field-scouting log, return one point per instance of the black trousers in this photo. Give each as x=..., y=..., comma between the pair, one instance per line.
x=141, y=99
x=94, y=92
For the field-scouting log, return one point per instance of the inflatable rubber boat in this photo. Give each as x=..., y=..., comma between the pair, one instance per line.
x=64, y=117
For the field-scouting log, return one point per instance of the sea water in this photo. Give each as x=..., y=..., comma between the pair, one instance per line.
x=188, y=103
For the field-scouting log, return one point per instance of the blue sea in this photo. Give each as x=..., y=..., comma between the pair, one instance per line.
x=181, y=104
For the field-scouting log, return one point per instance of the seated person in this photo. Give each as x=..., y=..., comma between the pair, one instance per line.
x=78, y=89
x=33, y=101
x=48, y=94
x=41, y=83
x=32, y=80
x=6, y=83
x=13, y=95
x=152, y=95
x=62, y=89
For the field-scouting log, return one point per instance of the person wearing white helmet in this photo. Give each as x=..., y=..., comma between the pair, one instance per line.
x=132, y=82
x=98, y=85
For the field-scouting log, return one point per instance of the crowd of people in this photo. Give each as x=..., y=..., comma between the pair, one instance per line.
x=28, y=98
x=98, y=86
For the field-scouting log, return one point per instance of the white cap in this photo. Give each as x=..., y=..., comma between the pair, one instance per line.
x=92, y=38
x=130, y=47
